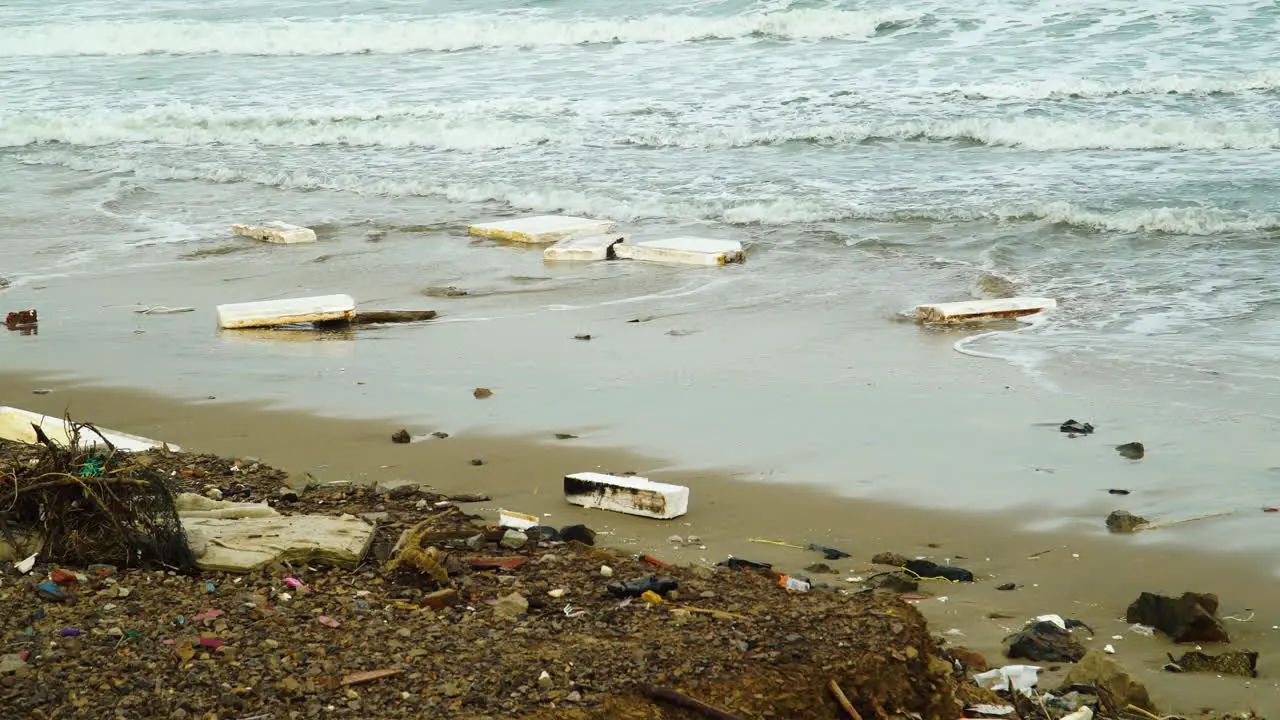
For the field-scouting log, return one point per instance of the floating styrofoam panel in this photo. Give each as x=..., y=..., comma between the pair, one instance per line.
x=589, y=248
x=266, y=313
x=627, y=494
x=15, y=424
x=970, y=310
x=276, y=232
x=541, y=229
x=684, y=251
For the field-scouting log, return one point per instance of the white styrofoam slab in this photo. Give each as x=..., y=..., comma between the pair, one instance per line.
x=684, y=251
x=276, y=232
x=983, y=309
x=266, y=313
x=516, y=520
x=15, y=424
x=627, y=494
x=590, y=248
x=541, y=229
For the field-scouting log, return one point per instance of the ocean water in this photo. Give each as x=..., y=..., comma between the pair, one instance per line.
x=1122, y=158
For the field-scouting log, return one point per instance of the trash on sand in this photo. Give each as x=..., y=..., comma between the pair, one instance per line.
x=25, y=566
x=660, y=584
x=401, y=437
x=578, y=533
x=17, y=425
x=975, y=310
x=211, y=642
x=207, y=615
x=1084, y=713
x=1021, y=678
x=292, y=311
x=517, y=520
x=499, y=563
x=275, y=232
x=481, y=393
x=1189, y=618
x=829, y=553
x=740, y=564
x=1109, y=649
x=1074, y=427
x=1132, y=451
x=541, y=229
x=793, y=584
x=683, y=251
x=1007, y=586
x=69, y=632
x=244, y=545
x=328, y=621
x=651, y=597
x=985, y=709
x=1243, y=663
x=628, y=494
x=929, y=570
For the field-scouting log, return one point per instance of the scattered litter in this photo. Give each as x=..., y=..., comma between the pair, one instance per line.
x=793, y=584
x=1236, y=662
x=21, y=319
x=592, y=248
x=328, y=621
x=1109, y=649
x=16, y=424
x=660, y=584
x=25, y=566
x=929, y=570
x=365, y=676
x=829, y=553
x=990, y=709
x=1021, y=677
x=740, y=564
x=207, y=615
x=516, y=520
x=572, y=612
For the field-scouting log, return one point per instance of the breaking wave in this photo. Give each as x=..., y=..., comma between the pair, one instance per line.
x=464, y=129
x=783, y=211
x=347, y=36
x=1262, y=81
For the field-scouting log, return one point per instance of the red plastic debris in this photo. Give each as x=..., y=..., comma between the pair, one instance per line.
x=21, y=318
x=328, y=621
x=63, y=577
x=1270, y=509
x=652, y=560
x=207, y=615
x=211, y=642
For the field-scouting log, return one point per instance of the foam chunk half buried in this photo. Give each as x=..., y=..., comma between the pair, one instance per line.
x=684, y=251
x=627, y=494
x=15, y=424
x=268, y=313
x=971, y=310
x=541, y=229
x=582, y=249
x=276, y=232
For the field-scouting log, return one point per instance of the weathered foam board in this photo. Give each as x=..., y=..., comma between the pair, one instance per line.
x=541, y=229
x=971, y=310
x=684, y=251
x=627, y=494
x=516, y=520
x=267, y=313
x=276, y=232
x=193, y=505
x=15, y=424
x=590, y=248
x=247, y=544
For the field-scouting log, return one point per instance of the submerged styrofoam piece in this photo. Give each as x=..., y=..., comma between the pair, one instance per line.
x=266, y=313
x=541, y=229
x=15, y=424
x=983, y=309
x=247, y=544
x=276, y=232
x=583, y=249
x=516, y=520
x=627, y=494
x=684, y=251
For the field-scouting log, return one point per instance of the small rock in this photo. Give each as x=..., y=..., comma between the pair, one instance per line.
x=693, y=539
x=41, y=391
x=574, y=697
x=475, y=542
x=440, y=434
x=820, y=569
x=374, y=518
x=1190, y=618
x=1007, y=587
x=477, y=462
x=212, y=492
x=1076, y=428
x=514, y=539
x=557, y=593
x=1122, y=521
x=482, y=393
x=1099, y=670
x=578, y=533
x=401, y=437
x=1118, y=491
x=544, y=680
x=565, y=436
x=1132, y=451
x=1243, y=663
x=1043, y=642
x=11, y=663
x=708, y=594
x=286, y=494
x=606, y=571
x=511, y=606
x=583, y=336
x=676, y=539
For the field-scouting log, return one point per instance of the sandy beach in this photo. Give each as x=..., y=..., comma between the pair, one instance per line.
x=1090, y=578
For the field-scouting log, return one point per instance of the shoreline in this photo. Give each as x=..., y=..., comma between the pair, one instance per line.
x=726, y=511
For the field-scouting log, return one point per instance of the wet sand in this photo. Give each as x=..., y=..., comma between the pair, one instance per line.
x=1092, y=578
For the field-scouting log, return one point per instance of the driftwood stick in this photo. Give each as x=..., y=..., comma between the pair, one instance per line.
x=80, y=481
x=686, y=702
x=372, y=317
x=844, y=701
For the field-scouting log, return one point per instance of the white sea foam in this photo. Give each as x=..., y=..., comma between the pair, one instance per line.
x=358, y=35
x=1261, y=81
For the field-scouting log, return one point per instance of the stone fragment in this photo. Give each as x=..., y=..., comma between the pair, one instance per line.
x=1103, y=672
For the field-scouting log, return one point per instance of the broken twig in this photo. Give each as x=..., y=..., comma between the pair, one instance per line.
x=686, y=702
x=844, y=701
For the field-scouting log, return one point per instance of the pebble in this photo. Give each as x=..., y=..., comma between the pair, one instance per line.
x=676, y=539
x=574, y=697
x=707, y=594
x=514, y=539
x=606, y=571
x=544, y=680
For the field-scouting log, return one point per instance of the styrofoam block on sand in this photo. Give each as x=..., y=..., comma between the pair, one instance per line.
x=246, y=544
x=970, y=310
x=266, y=313
x=516, y=520
x=684, y=251
x=276, y=232
x=627, y=494
x=583, y=249
x=15, y=424
x=541, y=229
